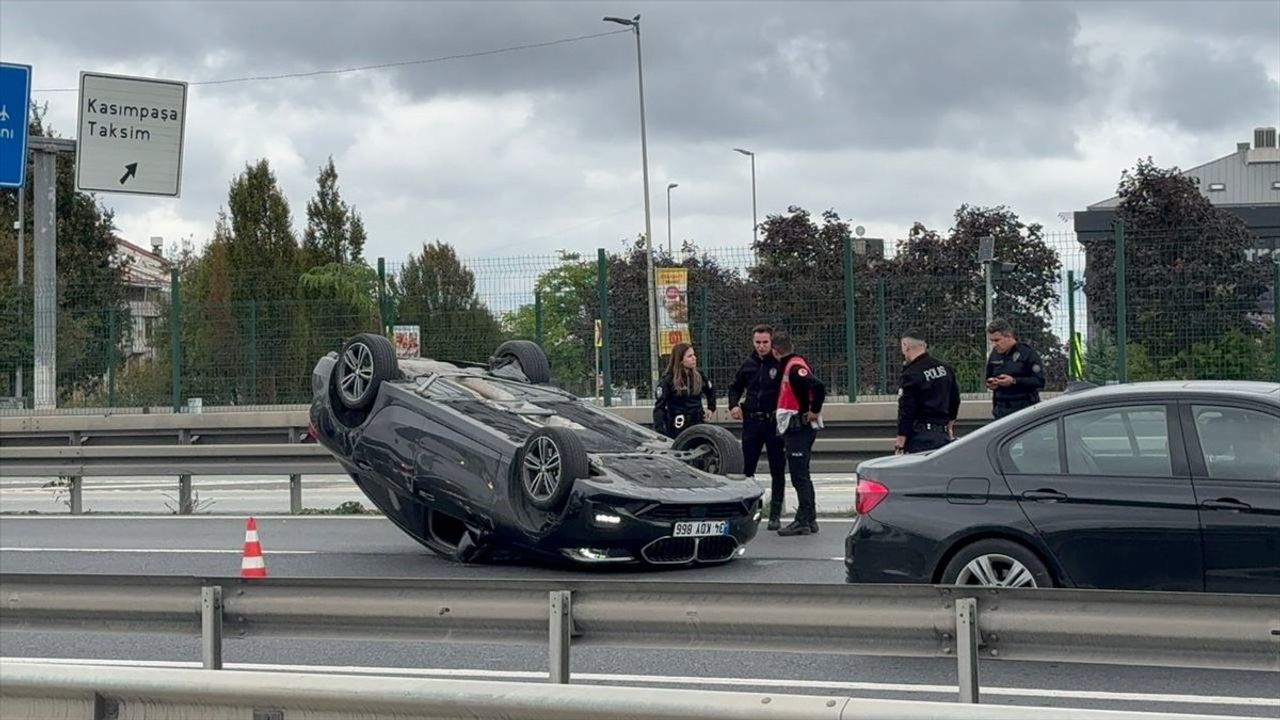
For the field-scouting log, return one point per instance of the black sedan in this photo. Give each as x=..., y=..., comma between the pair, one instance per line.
x=488, y=462
x=1149, y=486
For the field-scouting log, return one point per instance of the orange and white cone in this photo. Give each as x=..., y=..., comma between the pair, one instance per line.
x=252, y=565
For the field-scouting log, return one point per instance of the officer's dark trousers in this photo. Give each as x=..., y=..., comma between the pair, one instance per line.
x=923, y=439
x=759, y=434
x=1001, y=408
x=799, y=444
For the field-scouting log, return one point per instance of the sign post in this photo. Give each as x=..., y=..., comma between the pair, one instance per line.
x=15, y=106
x=131, y=135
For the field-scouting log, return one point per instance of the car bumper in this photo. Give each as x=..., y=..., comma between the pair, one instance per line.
x=878, y=553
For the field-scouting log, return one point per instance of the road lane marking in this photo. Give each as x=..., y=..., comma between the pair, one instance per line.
x=1182, y=698
x=152, y=551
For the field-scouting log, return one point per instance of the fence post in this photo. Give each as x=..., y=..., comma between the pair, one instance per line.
x=704, y=324
x=1122, y=320
x=211, y=626
x=1072, y=356
x=112, y=357
x=175, y=337
x=185, y=503
x=1275, y=296
x=968, y=639
x=851, y=329
x=884, y=338
x=537, y=316
x=602, y=284
x=561, y=607
x=382, y=294
x=253, y=350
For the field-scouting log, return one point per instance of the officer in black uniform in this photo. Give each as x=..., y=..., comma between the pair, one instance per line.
x=928, y=399
x=677, y=402
x=760, y=377
x=800, y=403
x=1015, y=373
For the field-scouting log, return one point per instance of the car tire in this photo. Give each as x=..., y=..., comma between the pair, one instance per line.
x=997, y=563
x=530, y=356
x=725, y=456
x=550, y=461
x=366, y=361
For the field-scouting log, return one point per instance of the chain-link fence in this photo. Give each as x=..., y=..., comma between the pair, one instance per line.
x=1174, y=310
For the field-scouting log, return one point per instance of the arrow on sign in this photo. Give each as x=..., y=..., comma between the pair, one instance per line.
x=130, y=170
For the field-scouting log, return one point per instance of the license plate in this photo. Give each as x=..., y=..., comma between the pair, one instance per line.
x=701, y=528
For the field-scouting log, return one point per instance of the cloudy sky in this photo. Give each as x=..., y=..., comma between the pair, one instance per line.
x=887, y=112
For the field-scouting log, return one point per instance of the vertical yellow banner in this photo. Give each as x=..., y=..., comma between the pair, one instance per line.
x=673, y=307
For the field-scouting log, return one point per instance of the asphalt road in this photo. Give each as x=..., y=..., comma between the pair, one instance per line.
x=332, y=546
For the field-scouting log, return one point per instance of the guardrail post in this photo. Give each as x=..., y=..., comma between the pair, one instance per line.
x=967, y=640
x=76, y=488
x=211, y=627
x=184, y=481
x=561, y=625
x=295, y=480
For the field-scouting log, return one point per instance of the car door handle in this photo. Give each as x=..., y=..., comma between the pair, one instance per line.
x=1044, y=495
x=1225, y=504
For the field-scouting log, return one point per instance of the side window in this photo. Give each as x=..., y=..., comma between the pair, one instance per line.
x=1124, y=441
x=1238, y=444
x=1034, y=452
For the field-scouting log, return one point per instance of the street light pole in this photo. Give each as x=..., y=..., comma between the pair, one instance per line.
x=755, y=222
x=650, y=290
x=669, y=186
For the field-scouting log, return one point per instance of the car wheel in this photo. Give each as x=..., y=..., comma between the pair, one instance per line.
x=530, y=357
x=552, y=458
x=997, y=563
x=722, y=453
x=366, y=361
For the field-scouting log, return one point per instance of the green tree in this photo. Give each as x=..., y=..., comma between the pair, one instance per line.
x=335, y=231
x=569, y=295
x=90, y=287
x=1189, y=276
x=935, y=286
x=435, y=291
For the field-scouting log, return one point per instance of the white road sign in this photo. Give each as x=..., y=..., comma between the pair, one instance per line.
x=131, y=133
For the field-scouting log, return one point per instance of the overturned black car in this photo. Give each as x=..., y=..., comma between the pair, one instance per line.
x=482, y=462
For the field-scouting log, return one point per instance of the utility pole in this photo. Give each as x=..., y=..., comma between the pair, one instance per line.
x=44, y=284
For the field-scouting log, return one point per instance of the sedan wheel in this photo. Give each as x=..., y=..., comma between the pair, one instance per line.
x=542, y=470
x=996, y=571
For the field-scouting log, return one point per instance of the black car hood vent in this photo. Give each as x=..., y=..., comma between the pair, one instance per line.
x=652, y=473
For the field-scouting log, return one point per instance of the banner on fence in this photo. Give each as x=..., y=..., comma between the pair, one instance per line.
x=673, y=308
x=408, y=341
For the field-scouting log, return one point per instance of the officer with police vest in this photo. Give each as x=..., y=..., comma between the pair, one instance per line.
x=760, y=377
x=799, y=417
x=928, y=399
x=1015, y=372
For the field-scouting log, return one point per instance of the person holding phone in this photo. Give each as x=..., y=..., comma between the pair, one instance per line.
x=1015, y=372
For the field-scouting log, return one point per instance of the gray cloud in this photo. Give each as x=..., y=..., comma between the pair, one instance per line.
x=1227, y=87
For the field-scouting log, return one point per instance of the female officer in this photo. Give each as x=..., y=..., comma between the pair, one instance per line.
x=678, y=399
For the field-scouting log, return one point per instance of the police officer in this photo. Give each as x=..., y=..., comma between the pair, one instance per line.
x=798, y=420
x=678, y=400
x=928, y=399
x=1015, y=373
x=760, y=377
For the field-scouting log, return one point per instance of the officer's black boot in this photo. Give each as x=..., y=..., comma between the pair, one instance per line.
x=799, y=526
x=775, y=514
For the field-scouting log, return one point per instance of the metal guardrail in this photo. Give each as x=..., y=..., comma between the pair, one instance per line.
x=1190, y=630
x=274, y=443
x=38, y=691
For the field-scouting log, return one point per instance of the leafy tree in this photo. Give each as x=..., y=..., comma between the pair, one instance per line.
x=335, y=232
x=568, y=294
x=435, y=291
x=90, y=283
x=1188, y=274
x=937, y=287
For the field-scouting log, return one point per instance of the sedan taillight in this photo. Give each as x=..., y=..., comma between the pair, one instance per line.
x=868, y=495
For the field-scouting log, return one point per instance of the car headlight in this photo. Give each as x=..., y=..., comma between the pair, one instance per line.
x=607, y=519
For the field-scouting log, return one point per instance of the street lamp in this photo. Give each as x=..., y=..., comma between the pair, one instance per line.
x=672, y=185
x=754, y=221
x=650, y=290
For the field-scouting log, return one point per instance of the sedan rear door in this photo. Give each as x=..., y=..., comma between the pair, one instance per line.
x=1235, y=462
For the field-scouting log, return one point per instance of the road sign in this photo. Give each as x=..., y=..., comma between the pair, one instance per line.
x=131, y=133
x=15, y=103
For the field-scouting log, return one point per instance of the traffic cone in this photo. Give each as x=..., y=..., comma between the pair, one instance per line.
x=252, y=565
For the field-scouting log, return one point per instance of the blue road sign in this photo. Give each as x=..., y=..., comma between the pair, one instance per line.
x=15, y=103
